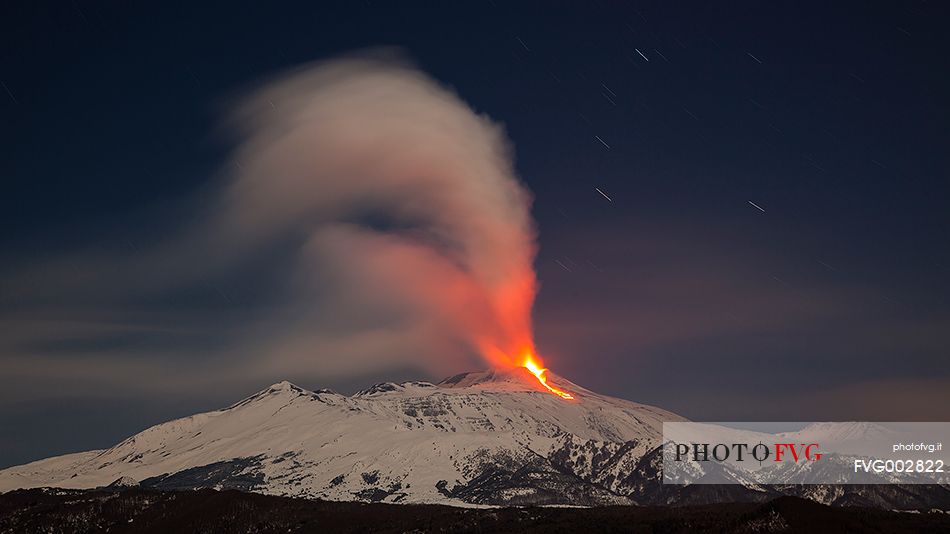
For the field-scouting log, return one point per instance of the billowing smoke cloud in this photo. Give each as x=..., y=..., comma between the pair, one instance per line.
x=398, y=187
x=385, y=213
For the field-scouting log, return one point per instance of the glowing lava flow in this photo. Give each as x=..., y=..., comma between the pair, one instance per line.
x=538, y=371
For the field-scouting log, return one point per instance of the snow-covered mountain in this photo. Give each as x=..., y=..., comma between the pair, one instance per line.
x=487, y=437
x=839, y=432
x=484, y=438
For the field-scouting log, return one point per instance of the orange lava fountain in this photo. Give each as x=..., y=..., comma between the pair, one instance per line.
x=530, y=361
x=533, y=364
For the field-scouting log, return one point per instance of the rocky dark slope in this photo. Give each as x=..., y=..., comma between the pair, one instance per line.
x=208, y=511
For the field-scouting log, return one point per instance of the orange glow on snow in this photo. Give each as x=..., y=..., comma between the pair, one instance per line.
x=501, y=359
x=533, y=364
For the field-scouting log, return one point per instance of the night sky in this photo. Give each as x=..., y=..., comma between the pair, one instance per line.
x=742, y=207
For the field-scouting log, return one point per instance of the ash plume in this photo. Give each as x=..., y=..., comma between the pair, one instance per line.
x=385, y=212
x=400, y=189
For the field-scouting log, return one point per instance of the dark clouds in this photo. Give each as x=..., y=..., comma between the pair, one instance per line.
x=701, y=307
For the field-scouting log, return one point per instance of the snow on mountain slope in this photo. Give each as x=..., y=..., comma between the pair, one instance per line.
x=487, y=437
x=839, y=432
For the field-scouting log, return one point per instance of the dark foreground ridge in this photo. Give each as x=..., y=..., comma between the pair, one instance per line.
x=209, y=511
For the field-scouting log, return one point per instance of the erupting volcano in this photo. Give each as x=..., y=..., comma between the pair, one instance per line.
x=490, y=437
x=411, y=209
x=530, y=361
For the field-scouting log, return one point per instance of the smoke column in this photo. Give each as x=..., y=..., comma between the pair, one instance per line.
x=398, y=185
